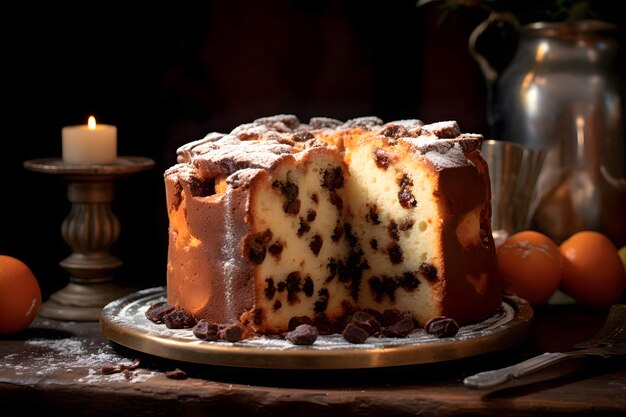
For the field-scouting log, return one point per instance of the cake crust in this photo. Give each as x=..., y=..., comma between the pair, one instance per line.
x=280, y=220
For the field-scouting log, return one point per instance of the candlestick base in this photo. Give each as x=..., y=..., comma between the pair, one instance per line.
x=77, y=302
x=90, y=229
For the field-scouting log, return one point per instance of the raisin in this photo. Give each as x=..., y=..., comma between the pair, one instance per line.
x=394, y=131
x=231, y=333
x=336, y=200
x=354, y=334
x=406, y=224
x=275, y=249
x=270, y=290
x=428, y=271
x=304, y=334
x=381, y=158
x=205, y=331
x=372, y=215
x=179, y=319
x=178, y=195
x=442, y=326
x=294, y=282
x=333, y=178
x=409, y=281
x=316, y=244
x=395, y=254
x=157, y=310
x=322, y=303
x=302, y=136
x=303, y=228
x=393, y=230
x=256, y=246
x=337, y=233
x=297, y=321
x=308, y=287
x=176, y=374
x=406, y=199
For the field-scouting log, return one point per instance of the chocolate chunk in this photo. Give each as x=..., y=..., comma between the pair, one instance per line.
x=179, y=319
x=366, y=322
x=442, y=326
x=304, y=334
x=231, y=333
x=391, y=316
x=176, y=374
x=205, y=330
x=354, y=334
x=157, y=310
x=399, y=329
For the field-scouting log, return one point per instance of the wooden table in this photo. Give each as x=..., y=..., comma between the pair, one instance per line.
x=54, y=368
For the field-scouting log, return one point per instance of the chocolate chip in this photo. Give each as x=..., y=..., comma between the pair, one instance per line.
x=304, y=334
x=354, y=334
x=179, y=319
x=308, y=287
x=322, y=303
x=231, y=333
x=256, y=246
x=205, y=330
x=270, y=290
x=337, y=233
x=442, y=326
x=392, y=229
x=372, y=214
x=176, y=374
x=157, y=310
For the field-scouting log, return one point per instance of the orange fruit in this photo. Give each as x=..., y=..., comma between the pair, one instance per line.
x=593, y=273
x=529, y=266
x=20, y=295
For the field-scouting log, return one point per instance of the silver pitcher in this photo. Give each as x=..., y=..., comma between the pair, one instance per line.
x=561, y=92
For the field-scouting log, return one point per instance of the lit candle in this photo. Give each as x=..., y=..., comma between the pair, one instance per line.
x=89, y=144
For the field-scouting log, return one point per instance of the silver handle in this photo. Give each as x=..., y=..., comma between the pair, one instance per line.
x=492, y=378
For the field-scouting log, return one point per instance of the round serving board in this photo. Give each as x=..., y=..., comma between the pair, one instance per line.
x=124, y=322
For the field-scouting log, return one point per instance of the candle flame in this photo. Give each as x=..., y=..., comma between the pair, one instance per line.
x=91, y=123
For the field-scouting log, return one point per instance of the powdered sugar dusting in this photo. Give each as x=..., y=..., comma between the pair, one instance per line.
x=73, y=355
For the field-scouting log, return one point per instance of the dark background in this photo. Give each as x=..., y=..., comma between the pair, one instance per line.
x=166, y=75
